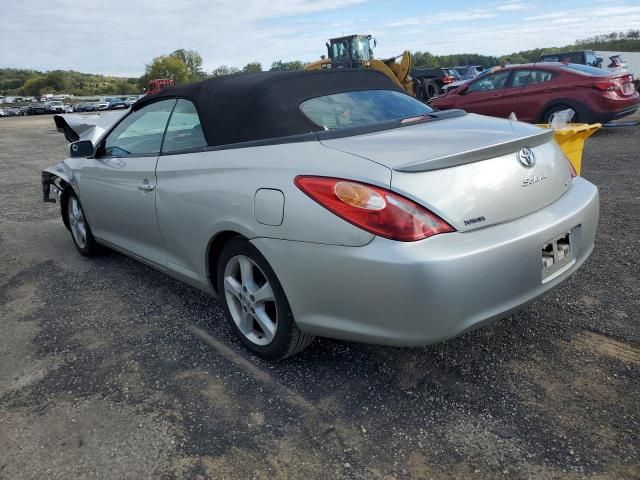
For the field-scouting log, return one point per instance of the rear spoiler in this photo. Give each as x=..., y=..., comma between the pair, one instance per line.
x=478, y=154
x=86, y=127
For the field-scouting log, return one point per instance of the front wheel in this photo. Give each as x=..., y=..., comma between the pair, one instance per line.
x=80, y=229
x=255, y=303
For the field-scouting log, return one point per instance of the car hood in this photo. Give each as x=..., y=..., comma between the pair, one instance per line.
x=86, y=127
x=442, y=143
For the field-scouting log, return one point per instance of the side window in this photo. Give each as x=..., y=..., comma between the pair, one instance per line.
x=490, y=82
x=591, y=59
x=141, y=132
x=530, y=77
x=184, y=131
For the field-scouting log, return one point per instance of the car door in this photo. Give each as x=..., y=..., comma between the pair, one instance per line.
x=528, y=92
x=117, y=187
x=485, y=95
x=183, y=140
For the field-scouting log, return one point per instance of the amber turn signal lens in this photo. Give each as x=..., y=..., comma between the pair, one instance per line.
x=359, y=196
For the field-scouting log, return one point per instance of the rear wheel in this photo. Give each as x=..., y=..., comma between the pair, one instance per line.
x=255, y=303
x=546, y=118
x=421, y=94
x=431, y=88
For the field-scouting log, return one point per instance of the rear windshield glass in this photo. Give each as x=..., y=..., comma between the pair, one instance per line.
x=586, y=70
x=357, y=109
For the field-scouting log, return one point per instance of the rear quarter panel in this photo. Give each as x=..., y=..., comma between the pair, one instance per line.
x=199, y=195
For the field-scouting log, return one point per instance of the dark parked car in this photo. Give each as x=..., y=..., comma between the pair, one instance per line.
x=535, y=92
x=116, y=103
x=582, y=57
x=36, y=109
x=85, y=107
x=430, y=81
x=9, y=112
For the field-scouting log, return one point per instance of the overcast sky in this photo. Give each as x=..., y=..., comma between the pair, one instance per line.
x=117, y=37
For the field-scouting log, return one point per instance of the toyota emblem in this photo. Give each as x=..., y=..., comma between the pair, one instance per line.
x=527, y=157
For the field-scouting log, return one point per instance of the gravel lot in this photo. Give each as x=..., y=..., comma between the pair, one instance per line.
x=109, y=369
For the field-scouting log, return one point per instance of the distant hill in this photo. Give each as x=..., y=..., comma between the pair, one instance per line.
x=34, y=83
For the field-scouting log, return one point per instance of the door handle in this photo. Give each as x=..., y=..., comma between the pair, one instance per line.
x=145, y=187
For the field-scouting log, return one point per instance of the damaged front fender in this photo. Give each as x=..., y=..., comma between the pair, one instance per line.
x=57, y=178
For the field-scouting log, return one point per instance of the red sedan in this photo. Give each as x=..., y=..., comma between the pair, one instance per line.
x=535, y=92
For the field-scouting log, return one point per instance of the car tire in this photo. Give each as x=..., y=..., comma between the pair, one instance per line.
x=420, y=93
x=255, y=303
x=546, y=118
x=79, y=227
x=431, y=89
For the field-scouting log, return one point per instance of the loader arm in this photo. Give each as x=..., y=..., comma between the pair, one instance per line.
x=318, y=64
x=398, y=72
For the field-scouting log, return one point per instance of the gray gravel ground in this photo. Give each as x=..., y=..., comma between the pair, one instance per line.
x=111, y=370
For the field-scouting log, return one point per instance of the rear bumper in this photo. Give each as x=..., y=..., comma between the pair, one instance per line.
x=608, y=109
x=410, y=294
x=604, y=117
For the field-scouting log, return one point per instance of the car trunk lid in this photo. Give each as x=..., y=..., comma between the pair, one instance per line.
x=468, y=170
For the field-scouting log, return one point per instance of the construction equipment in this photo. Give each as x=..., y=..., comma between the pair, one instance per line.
x=356, y=51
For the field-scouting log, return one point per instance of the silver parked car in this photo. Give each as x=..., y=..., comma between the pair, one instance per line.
x=328, y=203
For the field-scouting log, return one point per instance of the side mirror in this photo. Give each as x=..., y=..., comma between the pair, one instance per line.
x=81, y=148
x=463, y=88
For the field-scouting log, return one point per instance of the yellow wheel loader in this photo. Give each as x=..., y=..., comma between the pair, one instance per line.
x=355, y=51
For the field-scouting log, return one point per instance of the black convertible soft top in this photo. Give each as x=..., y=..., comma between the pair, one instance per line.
x=258, y=106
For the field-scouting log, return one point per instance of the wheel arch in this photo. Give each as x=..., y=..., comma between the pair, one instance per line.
x=577, y=106
x=64, y=200
x=214, y=248
x=60, y=176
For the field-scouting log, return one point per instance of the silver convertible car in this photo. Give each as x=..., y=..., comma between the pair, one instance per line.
x=328, y=203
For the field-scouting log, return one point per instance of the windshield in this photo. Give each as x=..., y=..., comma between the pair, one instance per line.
x=340, y=50
x=357, y=109
x=357, y=49
x=361, y=49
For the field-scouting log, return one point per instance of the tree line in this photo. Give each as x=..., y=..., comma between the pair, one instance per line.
x=184, y=65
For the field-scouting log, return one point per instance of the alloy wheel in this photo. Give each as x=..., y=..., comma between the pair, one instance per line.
x=77, y=222
x=251, y=300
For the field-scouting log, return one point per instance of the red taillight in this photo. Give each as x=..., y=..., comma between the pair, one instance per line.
x=373, y=209
x=448, y=79
x=606, y=85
